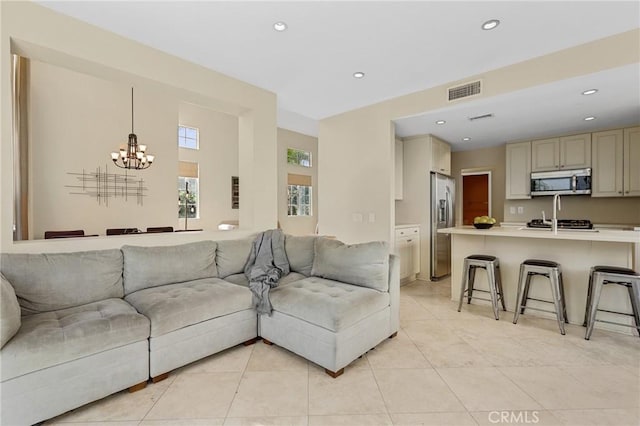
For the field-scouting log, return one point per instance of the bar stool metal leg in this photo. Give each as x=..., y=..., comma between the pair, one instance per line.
x=499, y=284
x=593, y=307
x=589, y=296
x=554, y=279
x=564, y=301
x=634, y=295
x=465, y=282
x=472, y=280
x=519, y=294
x=491, y=275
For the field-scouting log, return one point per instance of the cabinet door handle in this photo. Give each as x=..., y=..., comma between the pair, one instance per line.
x=409, y=241
x=619, y=192
x=626, y=192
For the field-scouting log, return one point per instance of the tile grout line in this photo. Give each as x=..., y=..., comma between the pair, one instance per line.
x=244, y=370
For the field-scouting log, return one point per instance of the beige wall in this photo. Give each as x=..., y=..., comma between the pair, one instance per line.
x=356, y=174
x=486, y=159
x=217, y=158
x=297, y=225
x=35, y=32
x=75, y=122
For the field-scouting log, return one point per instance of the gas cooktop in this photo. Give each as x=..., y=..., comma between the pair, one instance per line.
x=562, y=224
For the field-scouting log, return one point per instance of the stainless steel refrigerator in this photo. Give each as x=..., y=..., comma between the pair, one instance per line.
x=443, y=190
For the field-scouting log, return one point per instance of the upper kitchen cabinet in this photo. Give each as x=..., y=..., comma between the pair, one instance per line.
x=568, y=152
x=518, y=171
x=440, y=156
x=398, y=169
x=631, y=162
x=616, y=163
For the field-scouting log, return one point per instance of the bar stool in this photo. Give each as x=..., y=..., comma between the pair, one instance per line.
x=492, y=266
x=601, y=275
x=553, y=272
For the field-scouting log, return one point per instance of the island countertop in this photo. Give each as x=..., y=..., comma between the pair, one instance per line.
x=607, y=235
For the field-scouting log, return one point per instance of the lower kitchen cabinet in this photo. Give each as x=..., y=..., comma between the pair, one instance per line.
x=408, y=248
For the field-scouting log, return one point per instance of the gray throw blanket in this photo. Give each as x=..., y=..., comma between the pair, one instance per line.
x=267, y=263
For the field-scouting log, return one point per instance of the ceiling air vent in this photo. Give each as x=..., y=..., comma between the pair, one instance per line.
x=465, y=90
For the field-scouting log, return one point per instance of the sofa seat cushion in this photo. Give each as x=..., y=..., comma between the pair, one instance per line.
x=241, y=279
x=329, y=304
x=56, y=337
x=175, y=306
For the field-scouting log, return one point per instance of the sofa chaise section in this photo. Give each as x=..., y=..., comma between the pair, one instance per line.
x=78, y=340
x=348, y=305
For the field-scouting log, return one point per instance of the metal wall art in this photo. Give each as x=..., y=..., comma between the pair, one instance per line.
x=104, y=185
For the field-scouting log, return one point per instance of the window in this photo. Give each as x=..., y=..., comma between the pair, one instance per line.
x=298, y=157
x=299, y=192
x=188, y=137
x=188, y=190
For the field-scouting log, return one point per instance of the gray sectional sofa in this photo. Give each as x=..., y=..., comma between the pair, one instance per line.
x=76, y=327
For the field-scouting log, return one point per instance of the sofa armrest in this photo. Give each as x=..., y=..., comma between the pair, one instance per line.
x=394, y=292
x=10, y=319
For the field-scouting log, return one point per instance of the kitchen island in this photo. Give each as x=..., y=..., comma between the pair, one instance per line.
x=575, y=250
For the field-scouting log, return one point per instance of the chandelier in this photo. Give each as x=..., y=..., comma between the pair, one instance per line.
x=135, y=156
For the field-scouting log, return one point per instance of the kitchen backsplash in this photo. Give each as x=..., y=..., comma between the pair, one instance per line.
x=624, y=211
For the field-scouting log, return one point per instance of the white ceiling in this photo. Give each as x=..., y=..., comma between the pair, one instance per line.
x=403, y=47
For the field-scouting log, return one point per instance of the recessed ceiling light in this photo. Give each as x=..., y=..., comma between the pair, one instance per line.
x=491, y=24
x=466, y=139
x=358, y=74
x=440, y=122
x=589, y=118
x=280, y=26
x=590, y=92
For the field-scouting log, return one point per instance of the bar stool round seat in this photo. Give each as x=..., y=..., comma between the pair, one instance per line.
x=600, y=276
x=551, y=270
x=491, y=265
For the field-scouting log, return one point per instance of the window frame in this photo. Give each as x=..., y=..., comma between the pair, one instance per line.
x=181, y=194
x=300, y=205
x=298, y=157
x=185, y=138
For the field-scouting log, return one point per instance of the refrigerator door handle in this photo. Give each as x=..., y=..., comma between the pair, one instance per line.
x=447, y=207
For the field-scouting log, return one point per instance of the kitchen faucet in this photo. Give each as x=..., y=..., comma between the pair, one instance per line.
x=556, y=207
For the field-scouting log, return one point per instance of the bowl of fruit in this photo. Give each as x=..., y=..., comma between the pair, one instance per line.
x=483, y=222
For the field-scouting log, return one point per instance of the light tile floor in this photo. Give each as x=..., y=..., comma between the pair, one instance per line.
x=444, y=368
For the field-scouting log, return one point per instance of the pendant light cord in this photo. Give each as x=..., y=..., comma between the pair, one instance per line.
x=132, y=110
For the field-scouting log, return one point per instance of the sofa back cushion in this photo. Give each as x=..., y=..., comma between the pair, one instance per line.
x=9, y=311
x=146, y=267
x=53, y=281
x=300, y=252
x=365, y=264
x=232, y=255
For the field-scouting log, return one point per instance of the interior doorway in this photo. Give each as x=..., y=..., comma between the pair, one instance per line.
x=476, y=195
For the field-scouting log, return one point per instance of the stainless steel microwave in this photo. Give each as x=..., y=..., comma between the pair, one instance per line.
x=564, y=182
